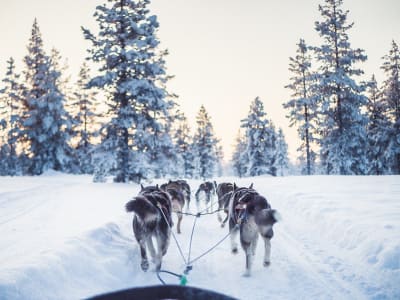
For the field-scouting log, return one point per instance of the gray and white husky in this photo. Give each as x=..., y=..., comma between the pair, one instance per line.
x=152, y=208
x=224, y=193
x=177, y=196
x=207, y=190
x=253, y=215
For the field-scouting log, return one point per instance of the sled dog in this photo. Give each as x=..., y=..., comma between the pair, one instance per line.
x=250, y=214
x=224, y=192
x=177, y=200
x=152, y=218
x=183, y=187
x=208, y=189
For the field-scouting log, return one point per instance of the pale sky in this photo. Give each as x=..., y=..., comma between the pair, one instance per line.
x=223, y=53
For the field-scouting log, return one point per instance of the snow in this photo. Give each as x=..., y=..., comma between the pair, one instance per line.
x=64, y=237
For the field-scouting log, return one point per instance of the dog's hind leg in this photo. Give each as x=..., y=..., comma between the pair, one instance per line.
x=162, y=246
x=197, y=196
x=178, y=226
x=150, y=245
x=267, y=254
x=224, y=221
x=234, y=231
x=144, y=263
x=250, y=250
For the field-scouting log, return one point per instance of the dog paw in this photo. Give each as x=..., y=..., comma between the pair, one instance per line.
x=235, y=250
x=267, y=263
x=144, y=265
x=247, y=273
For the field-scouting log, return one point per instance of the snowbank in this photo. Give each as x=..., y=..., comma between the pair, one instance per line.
x=64, y=237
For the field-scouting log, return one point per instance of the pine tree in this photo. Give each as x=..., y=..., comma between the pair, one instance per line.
x=391, y=96
x=239, y=157
x=377, y=130
x=220, y=159
x=204, y=146
x=282, y=160
x=260, y=137
x=84, y=107
x=10, y=123
x=302, y=107
x=183, y=143
x=44, y=116
x=132, y=72
x=342, y=124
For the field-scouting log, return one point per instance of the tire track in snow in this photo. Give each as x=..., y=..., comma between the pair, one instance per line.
x=304, y=260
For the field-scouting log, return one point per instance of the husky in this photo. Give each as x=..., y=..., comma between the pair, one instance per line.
x=251, y=215
x=152, y=208
x=183, y=187
x=224, y=192
x=208, y=189
x=177, y=200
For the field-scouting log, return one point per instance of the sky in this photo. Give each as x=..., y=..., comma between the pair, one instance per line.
x=223, y=53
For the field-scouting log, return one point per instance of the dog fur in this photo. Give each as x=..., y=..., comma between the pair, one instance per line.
x=208, y=189
x=253, y=215
x=152, y=218
x=224, y=192
x=177, y=197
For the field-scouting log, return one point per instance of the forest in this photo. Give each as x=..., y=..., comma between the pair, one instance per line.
x=120, y=119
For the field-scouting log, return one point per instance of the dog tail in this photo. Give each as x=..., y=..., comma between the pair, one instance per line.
x=139, y=205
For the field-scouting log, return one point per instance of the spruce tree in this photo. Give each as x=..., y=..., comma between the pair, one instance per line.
x=204, y=146
x=282, y=160
x=220, y=159
x=391, y=96
x=10, y=123
x=184, y=148
x=378, y=131
x=260, y=137
x=239, y=157
x=341, y=121
x=44, y=117
x=302, y=107
x=132, y=73
x=84, y=108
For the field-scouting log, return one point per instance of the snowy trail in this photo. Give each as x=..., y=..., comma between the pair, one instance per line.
x=64, y=237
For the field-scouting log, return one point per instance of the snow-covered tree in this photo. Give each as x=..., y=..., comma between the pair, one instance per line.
x=220, y=159
x=282, y=159
x=239, y=157
x=10, y=122
x=204, y=146
x=377, y=131
x=391, y=96
x=302, y=106
x=84, y=110
x=44, y=118
x=132, y=73
x=341, y=121
x=183, y=144
x=260, y=137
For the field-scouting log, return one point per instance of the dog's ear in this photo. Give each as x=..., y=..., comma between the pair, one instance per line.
x=141, y=187
x=276, y=215
x=251, y=186
x=234, y=186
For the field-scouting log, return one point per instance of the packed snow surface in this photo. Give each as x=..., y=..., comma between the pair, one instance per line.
x=64, y=237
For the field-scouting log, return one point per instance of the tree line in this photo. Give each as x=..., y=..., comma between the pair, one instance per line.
x=123, y=122
x=346, y=126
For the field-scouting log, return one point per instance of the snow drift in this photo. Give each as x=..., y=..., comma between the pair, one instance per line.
x=64, y=237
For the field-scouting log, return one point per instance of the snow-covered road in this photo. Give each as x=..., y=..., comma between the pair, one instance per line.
x=64, y=237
